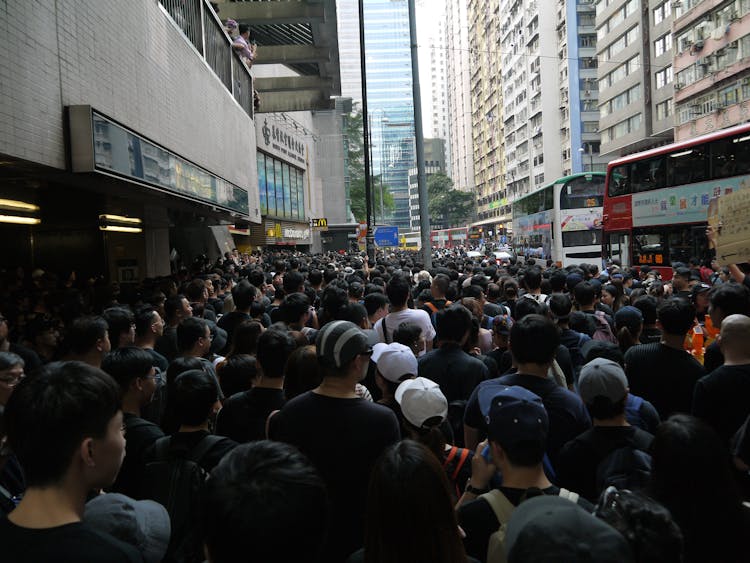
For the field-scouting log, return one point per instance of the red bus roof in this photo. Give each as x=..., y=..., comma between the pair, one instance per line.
x=720, y=134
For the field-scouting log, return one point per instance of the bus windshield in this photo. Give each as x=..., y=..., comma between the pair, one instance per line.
x=583, y=192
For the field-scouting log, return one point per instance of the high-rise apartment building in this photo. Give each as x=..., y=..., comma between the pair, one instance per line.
x=634, y=48
x=535, y=117
x=389, y=91
x=485, y=21
x=458, y=71
x=711, y=43
x=438, y=95
x=578, y=87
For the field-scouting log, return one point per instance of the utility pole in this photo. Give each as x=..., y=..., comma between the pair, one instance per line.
x=370, y=236
x=424, y=216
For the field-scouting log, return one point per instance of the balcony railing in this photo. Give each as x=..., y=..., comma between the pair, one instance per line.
x=204, y=30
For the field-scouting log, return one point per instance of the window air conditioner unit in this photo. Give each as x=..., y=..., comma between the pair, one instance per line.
x=678, y=85
x=698, y=45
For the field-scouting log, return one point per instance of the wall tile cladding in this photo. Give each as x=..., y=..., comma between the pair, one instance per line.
x=126, y=59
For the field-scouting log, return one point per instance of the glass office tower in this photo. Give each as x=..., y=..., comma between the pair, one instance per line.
x=389, y=96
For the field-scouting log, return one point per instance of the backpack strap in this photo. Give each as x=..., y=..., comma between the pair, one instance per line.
x=161, y=448
x=460, y=463
x=431, y=306
x=383, y=329
x=570, y=495
x=451, y=454
x=200, y=450
x=500, y=505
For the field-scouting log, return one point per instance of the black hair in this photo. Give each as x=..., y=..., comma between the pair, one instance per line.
x=236, y=374
x=292, y=282
x=647, y=305
x=528, y=306
x=243, y=28
x=648, y=526
x=119, y=320
x=49, y=415
x=452, y=323
x=441, y=283
x=375, y=301
x=603, y=408
x=144, y=318
x=9, y=360
x=172, y=306
x=243, y=295
x=532, y=278
x=526, y=453
x=557, y=281
x=676, y=315
x=189, y=331
x=274, y=348
x=84, y=333
x=407, y=333
x=472, y=290
x=315, y=277
x=126, y=364
x=303, y=373
x=195, y=392
x=293, y=307
x=245, y=338
x=606, y=350
x=534, y=339
x=732, y=298
x=398, y=290
x=560, y=304
x=353, y=312
x=257, y=494
x=584, y=293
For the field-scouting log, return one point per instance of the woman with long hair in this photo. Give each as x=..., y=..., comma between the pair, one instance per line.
x=613, y=296
x=692, y=476
x=410, y=516
x=628, y=327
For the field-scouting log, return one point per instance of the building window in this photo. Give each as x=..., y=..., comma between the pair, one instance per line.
x=661, y=12
x=663, y=77
x=587, y=40
x=663, y=44
x=664, y=109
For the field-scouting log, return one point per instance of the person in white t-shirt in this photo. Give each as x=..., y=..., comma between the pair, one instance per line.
x=398, y=293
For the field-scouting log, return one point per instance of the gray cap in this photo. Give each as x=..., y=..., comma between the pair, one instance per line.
x=602, y=378
x=140, y=523
x=339, y=342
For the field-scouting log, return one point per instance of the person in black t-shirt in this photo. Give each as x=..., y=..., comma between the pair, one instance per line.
x=65, y=427
x=721, y=397
x=517, y=431
x=342, y=434
x=132, y=368
x=533, y=342
x=647, y=305
x=244, y=293
x=664, y=373
x=244, y=415
x=501, y=325
x=604, y=389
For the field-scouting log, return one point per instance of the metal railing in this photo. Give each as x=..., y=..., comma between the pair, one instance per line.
x=204, y=30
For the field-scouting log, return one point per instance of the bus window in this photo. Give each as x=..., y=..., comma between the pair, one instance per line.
x=619, y=180
x=686, y=242
x=730, y=157
x=649, y=247
x=688, y=166
x=648, y=175
x=582, y=192
x=582, y=238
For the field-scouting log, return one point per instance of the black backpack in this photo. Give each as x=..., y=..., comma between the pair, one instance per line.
x=626, y=467
x=174, y=478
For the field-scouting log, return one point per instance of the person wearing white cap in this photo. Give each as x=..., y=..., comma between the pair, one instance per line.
x=395, y=363
x=424, y=409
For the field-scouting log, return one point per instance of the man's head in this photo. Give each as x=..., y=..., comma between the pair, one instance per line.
x=681, y=279
x=148, y=324
x=532, y=278
x=376, y=305
x=647, y=305
x=453, y=324
x=294, y=282
x=517, y=426
x=398, y=290
x=342, y=350
x=196, y=397
x=728, y=299
x=244, y=30
x=534, y=340
x=676, y=316
x=88, y=336
x=67, y=418
x=422, y=402
x=585, y=294
x=193, y=337
x=11, y=374
x=121, y=326
x=177, y=308
x=439, y=286
x=501, y=326
x=274, y=348
x=239, y=518
x=132, y=368
x=197, y=291
x=603, y=388
x=734, y=338
x=243, y=295
x=560, y=305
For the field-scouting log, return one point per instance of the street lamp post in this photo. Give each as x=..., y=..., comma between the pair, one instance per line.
x=370, y=236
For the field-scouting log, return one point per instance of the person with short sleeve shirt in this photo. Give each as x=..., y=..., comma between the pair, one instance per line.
x=398, y=290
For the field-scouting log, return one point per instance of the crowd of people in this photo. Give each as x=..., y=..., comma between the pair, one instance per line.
x=291, y=407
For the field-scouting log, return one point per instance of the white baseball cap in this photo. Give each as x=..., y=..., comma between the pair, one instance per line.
x=394, y=361
x=421, y=399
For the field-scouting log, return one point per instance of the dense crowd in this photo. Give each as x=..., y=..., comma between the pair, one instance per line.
x=291, y=407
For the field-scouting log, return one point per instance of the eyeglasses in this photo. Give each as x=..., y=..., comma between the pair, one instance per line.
x=11, y=380
x=367, y=352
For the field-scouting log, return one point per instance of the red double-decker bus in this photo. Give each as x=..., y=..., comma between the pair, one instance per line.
x=656, y=202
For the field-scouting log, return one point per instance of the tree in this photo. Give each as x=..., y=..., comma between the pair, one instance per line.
x=356, y=152
x=448, y=207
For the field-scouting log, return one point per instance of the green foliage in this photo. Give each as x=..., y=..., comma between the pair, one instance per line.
x=357, y=196
x=448, y=207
